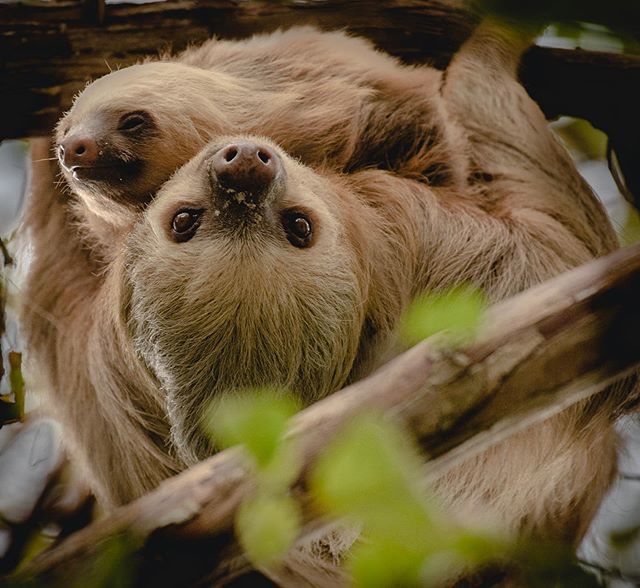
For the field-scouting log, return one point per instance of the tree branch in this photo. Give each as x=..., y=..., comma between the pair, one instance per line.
x=538, y=353
x=52, y=49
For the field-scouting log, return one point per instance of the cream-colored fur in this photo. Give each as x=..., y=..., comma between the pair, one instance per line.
x=142, y=347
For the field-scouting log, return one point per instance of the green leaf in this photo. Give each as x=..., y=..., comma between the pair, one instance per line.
x=458, y=311
x=113, y=567
x=582, y=137
x=267, y=526
x=16, y=381
x=370, y=473
x=282, y=470
x=255, y=418
x=36, y=543
x=383, y=564
x=630, y=232
x=623, y=538
x=477, y=549
x=617, y=15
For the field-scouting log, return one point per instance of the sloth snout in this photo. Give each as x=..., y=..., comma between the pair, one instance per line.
x=78, y=151
x=244, y=170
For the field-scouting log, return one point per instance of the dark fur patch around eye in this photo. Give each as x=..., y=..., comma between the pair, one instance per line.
x=135, y=122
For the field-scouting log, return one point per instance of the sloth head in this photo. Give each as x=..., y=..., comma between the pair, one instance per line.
x=247, y=270
x=128, y=131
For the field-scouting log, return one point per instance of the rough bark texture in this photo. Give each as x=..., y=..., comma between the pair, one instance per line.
x=539, y=352
x=50, y=50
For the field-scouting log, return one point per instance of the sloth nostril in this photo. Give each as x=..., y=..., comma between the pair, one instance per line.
x=244, y=167
x=79, y=150
x=230, y=155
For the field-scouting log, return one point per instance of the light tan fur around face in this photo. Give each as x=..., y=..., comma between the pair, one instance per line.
x=244, y=306
x=145, y=344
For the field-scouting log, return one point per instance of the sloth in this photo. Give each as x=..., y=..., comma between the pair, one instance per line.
x=250, y=267
x=326, y=98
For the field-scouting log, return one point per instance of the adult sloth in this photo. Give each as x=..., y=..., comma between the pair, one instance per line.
x=249, y=268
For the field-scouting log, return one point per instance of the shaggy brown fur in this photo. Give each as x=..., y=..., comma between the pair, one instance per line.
x=140, y=349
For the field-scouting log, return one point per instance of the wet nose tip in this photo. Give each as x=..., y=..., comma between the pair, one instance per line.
x=245, y=167
x=78, y=151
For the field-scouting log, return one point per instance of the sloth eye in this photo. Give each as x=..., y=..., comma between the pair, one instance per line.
x=132, y=121
x=185, y=223
x=298, y=227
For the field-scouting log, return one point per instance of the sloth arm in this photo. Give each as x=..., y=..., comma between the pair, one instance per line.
x=524, y=214
x=539, y=204
x=65, y=320
x=534, y=181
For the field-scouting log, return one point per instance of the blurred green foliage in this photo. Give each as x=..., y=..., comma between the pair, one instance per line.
x=458, y=311
x=16, y=381
x=620, y=17
x=268, y=522
x=267, y=526
x=370, y=475
x=584, y=141
x=113, y=567
x=12, y=405
x=623, y=538
x=630, y=232
x=370, y=464
x=256, y=419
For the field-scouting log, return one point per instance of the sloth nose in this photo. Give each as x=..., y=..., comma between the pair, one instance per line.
x=78, y=151
x=245, y=168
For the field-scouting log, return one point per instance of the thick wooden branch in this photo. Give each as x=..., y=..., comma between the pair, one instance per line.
x=539, y=352
x=49, y=50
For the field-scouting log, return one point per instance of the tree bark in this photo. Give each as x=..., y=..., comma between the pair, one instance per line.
x=50, y=50
x=537, y=353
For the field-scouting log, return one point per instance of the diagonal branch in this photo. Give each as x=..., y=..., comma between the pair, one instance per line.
x=539, y=352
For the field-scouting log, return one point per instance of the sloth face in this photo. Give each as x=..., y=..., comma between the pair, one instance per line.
x=107, y=156
x=248, y=270
x=130, y=130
